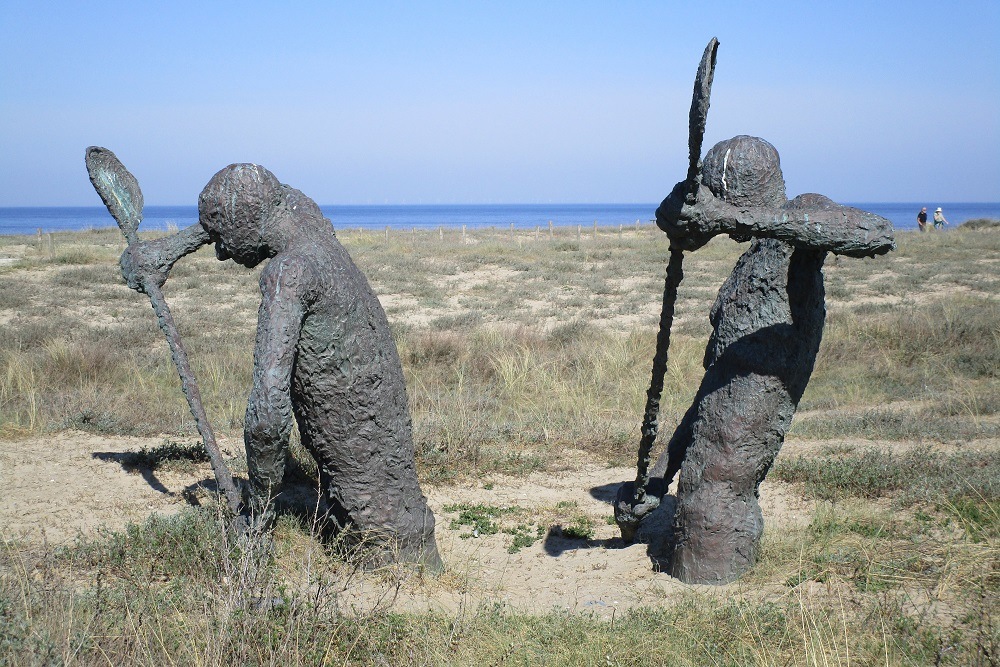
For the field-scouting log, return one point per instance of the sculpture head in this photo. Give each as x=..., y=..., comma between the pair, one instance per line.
x=236, y=207
x=744, y=171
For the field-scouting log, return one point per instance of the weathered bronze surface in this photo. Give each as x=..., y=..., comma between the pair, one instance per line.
x=324, y=358
x=767, y=325
x=120, y=192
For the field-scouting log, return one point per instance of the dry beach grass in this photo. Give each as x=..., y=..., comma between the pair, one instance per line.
x=527, y=358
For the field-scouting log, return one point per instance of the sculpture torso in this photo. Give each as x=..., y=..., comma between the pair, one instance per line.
x=347, y=387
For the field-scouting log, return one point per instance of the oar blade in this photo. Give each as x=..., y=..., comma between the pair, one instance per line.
x=699, y=108
x=118, y=188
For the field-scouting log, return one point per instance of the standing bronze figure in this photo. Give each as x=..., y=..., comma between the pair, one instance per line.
x=767, y=325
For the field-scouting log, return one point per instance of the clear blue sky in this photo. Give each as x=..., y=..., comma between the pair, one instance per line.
x=475, y=102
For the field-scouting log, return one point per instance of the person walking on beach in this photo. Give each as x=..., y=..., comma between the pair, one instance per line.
x=922, y=219
x=939, y=218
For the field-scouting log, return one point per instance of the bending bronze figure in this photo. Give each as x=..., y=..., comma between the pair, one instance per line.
x=324, y=357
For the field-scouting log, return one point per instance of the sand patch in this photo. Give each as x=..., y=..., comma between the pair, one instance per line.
x=71, y=483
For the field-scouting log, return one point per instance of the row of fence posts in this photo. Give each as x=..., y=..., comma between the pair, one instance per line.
x=579, y=231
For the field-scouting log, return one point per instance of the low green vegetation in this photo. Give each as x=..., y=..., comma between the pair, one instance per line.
x=481, y=520
x=523, y=355
x=875, y=473
x=963, y=487
x=177, y=591
x=169, y=454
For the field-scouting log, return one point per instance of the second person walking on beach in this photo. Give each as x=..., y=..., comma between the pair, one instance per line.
x=939, y=218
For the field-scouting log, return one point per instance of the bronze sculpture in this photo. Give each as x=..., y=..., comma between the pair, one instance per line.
x=767, y=326
x=324, y=357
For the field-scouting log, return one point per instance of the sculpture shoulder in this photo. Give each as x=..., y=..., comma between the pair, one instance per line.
x=289, y=274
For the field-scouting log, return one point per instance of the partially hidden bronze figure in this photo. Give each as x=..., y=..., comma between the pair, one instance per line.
x=767, y=325
x=324, y=357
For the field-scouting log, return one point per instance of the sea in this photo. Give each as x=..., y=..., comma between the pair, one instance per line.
x=28, y=220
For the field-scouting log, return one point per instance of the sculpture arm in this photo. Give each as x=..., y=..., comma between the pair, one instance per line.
x=809, y=221
x=152, y=260
x=269, y=415
x=814, y=222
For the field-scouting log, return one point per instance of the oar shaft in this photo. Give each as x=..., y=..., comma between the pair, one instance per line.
x=650, y=422
x=190, y=388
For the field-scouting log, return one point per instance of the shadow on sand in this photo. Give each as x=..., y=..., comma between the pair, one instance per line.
x=299, y=495
x=656, y=531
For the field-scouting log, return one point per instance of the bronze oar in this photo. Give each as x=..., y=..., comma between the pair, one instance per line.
x=120, y=192
x=633, y=503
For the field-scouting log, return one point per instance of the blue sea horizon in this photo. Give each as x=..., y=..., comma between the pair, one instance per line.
x=27, y=220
